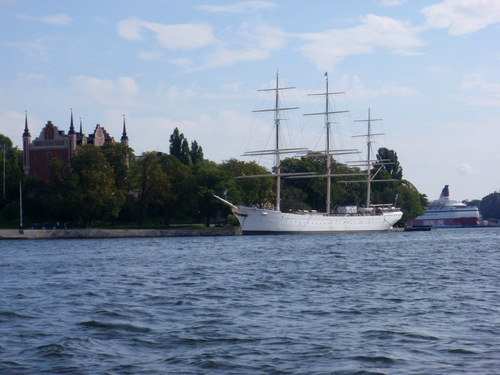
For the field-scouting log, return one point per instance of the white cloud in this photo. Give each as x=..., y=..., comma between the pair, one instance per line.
x=478, y=90
x=130, y=29
x=465, y=169
x=182, y=36
x=106, y=91
x=56, y=19
x=328, y=48
x=259, y=40
x=463, y=16
x=265, y=36
x=390, y=89
x=210, y=132
x=182, y=62
x=392, y=3
x=173, y=93
x=12, y=123
x=224, y=57
x=357, y=89
x=242, y=7
x=32, y=77
x=139, y=129
x=232, y=86
x=150, y=56
x=34, y=48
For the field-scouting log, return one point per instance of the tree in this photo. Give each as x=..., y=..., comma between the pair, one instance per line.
x=490, y=206
x=410, y=201
x=248, y=191
x=304, y=193
x=196, y=153
x=391, y=163
x=96, y=195
x=35, y=200
x=314, y=188
x=11, y=159
x=13, y=168
x=210, y=180
x=61, y=192
x=118, y=156
x=176, y=143
x=182, y=188
x=154, y=187
x=185, y=156
x=179, y=147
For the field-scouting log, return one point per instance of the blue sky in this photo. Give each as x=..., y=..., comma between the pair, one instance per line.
x=429, y=69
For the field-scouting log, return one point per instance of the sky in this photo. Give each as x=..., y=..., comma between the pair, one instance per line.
x=427, y=69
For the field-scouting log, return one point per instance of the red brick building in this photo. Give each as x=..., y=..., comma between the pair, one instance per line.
x=54, y=144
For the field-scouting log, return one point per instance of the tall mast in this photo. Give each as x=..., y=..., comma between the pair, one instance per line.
x=368, y=160
x=278, y=161
x=368, y=169
x=277, y=151
x=328, y=157
x=328, y=152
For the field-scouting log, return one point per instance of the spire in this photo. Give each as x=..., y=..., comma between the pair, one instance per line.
x=71, y=127
x=26, y=130
x=81, y=132
x=124, y=134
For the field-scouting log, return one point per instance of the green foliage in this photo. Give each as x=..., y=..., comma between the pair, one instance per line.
x=182, y=188
x=410, y=201
x=474, y=202
x=389, y=158
x=95, y=193
x=304, y=193
x=108, y=183
x=247, y=191
x=153, y=187
x=176, y=143
x=118, y=157
x=179, y=147
x=196, y=153
x=13, y=168
x=61, y=190
x=210, y=180
x=490, y=206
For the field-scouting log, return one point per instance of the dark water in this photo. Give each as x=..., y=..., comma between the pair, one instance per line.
x=391, y=303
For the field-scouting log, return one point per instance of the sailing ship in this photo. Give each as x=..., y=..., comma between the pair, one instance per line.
x=271, y=220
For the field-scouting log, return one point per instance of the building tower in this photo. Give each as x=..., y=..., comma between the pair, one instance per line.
x=124, y=141
x=124, y=138
x=71, y=138
x=26, y=144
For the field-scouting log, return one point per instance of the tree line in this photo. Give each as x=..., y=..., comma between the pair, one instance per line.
x=110, y=186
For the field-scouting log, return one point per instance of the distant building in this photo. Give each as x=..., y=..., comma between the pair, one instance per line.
x=54, y=144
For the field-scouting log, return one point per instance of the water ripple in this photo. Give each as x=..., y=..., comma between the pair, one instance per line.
x=392, y=303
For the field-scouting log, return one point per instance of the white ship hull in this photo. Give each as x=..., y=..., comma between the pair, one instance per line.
x=261, y=221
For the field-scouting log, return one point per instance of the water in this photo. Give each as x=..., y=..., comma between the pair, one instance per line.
x=389, y=303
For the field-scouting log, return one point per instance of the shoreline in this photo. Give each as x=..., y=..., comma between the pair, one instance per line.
x=32, y=234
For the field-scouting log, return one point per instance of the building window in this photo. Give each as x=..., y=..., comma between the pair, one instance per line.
x=36, y=171
x=63, y=157
x=37, y=158
x=49, y=157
